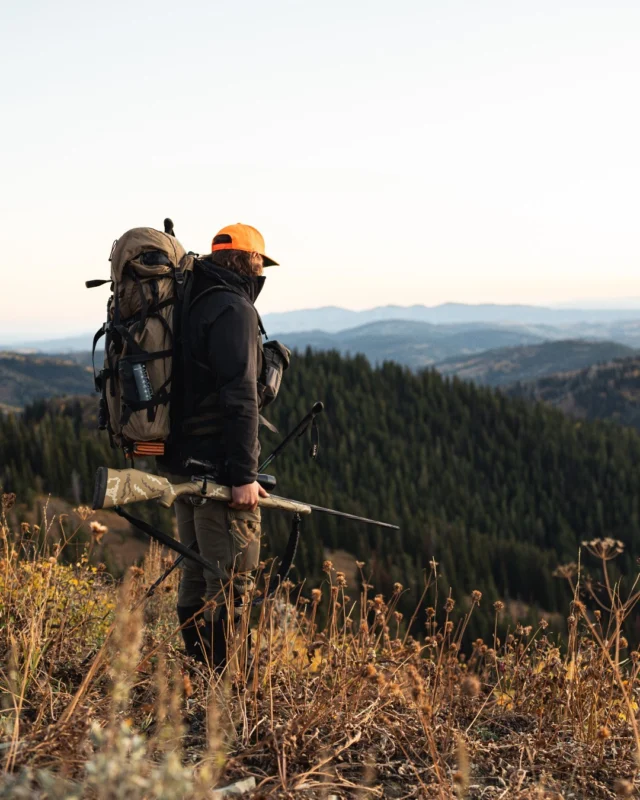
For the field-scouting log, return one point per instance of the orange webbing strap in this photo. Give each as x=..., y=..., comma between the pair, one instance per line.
x=148, y=449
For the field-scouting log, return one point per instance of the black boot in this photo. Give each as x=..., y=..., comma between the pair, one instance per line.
x=190, y=633
x=214, y=635
x=219, y=650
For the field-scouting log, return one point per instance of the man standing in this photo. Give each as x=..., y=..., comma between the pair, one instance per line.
x=216, y=419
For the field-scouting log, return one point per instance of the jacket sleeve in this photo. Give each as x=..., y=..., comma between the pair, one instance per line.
x=233, y=355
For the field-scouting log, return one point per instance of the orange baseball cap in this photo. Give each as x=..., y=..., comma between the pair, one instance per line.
x=241, y=237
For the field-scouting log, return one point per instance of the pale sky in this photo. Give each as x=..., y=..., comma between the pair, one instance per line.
x=390, y=152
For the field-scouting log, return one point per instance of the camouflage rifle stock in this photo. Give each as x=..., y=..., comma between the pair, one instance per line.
x=117, y=487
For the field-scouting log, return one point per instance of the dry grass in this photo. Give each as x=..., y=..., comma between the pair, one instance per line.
x=332, y=699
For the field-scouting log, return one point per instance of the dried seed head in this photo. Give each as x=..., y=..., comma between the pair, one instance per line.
x=565, y=571
x=340, y=579
x=448, y=628
x=431, y=612
x=397, y=588
x=97, y=527
x=370, y=671
x=316, y=595
x=604, y=732
x=8, y=501
x=470, y=686
x=498, y=606
x=97, y=530
x=359, y=564
x=327, y=566
x=476, y=596
x=84, y=512
x=623, y=788
x=449, y=605
x=605, y=549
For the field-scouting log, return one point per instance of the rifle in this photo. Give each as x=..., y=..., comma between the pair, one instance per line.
x=117, y=487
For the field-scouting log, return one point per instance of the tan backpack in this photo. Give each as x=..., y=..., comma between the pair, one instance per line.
x=148, y=269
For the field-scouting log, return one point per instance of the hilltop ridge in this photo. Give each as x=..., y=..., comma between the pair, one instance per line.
x=608, y=391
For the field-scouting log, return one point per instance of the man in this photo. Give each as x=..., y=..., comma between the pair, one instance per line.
x=216, y=419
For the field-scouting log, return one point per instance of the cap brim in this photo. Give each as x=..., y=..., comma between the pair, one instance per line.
x=269, y=262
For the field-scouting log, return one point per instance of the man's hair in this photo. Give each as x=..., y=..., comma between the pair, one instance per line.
x=239, y=261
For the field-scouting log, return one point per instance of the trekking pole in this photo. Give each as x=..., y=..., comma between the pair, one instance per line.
x=308, y=420
x=300, y=428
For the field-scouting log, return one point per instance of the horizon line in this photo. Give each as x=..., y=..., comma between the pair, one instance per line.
x=12, y=340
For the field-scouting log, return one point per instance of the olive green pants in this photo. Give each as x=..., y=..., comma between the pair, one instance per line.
x=228, y=539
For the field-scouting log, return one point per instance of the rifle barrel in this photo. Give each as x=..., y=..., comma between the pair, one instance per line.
x=344, y=514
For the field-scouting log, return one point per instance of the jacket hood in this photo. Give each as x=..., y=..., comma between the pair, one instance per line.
x=251, y=285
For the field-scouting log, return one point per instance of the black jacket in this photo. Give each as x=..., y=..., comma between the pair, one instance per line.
x=216, y=411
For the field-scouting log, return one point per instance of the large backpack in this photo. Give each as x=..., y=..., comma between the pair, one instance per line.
x=148, y=269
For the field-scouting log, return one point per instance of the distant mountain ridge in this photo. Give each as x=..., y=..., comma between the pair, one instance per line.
x=414, y=344
x=563, y=322
x=333, y=318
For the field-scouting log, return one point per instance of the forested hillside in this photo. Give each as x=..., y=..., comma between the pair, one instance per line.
x=605, y=391
x=497, y=490
x=509, y=365
x=28, y=377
